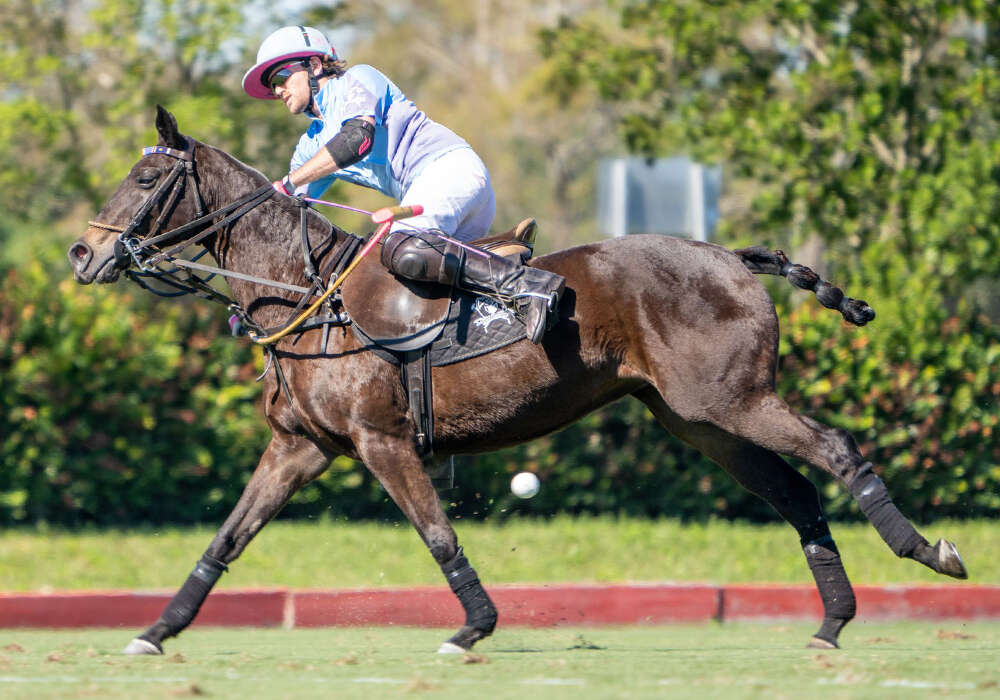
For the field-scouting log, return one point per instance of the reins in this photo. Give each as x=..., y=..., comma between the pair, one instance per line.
x=384, y=217
x=129, y=249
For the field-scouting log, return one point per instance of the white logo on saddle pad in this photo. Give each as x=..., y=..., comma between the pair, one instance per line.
x=490, y=311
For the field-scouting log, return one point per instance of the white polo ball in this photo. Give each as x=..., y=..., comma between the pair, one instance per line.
x=524, y=485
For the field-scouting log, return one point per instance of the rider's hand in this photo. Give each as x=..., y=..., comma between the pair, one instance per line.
x=284, y=186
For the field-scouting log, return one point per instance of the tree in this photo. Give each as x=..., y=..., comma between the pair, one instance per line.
x=873, y=125
x=475, y=67
x=82, y=79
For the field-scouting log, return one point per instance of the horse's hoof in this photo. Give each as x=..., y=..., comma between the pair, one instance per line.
x=817, y=643
x=142, y=647
x=449, y=648
x=949, y=561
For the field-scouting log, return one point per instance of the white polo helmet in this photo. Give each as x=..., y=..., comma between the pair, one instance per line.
x=283, y=46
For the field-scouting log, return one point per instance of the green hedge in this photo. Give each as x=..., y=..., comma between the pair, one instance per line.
x=116, y=408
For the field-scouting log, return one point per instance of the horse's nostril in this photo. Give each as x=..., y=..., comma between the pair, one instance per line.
x=79, y=255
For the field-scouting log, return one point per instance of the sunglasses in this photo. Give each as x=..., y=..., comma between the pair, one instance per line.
x=279, y=77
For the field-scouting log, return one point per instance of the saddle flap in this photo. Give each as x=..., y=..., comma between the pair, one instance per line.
x=392, y=311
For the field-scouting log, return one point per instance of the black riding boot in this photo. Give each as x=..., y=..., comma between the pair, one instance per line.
x=424, y=257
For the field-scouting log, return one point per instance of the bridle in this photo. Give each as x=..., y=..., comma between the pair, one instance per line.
x=156, y=248
x=147, y=254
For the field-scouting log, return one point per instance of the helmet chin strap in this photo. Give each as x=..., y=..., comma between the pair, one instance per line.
x=311, y=110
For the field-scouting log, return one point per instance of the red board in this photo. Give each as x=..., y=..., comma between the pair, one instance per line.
x=763, y=602
x=757, y=602
x=536, y=606
x=127, y=609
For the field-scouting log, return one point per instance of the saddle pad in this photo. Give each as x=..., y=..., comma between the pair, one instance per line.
x=475, y=326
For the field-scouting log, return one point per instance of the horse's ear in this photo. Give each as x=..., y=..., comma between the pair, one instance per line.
x=166, y=125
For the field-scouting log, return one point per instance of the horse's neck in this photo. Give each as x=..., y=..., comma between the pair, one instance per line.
x=265, y=242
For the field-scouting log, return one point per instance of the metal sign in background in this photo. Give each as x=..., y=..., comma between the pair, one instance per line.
x=675, y=196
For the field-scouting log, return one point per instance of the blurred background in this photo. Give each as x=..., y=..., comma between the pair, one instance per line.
x=862, y=138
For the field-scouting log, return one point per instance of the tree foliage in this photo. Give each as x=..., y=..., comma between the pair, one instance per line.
x=82, y=80
x=115, y=410
x=871, y=127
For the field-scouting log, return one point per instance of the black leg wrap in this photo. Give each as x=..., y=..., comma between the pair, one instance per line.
x=873, y=498
x=829, y=631
x=839, y=603
x=183, y=607
x=480, y=613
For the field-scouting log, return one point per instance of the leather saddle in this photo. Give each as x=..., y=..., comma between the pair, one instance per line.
x=402, y=315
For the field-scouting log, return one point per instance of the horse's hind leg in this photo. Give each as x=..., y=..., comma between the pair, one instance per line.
x=287, y=464
x=396, y=465
x=764, y=419
x=794, y=497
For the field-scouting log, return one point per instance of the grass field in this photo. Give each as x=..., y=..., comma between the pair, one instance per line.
x=679, y=661
x=602, y=550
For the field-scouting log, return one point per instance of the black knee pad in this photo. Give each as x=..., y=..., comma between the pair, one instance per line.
x=394, y=246
x=422, y=256
x=407, y=255
x=410, y=264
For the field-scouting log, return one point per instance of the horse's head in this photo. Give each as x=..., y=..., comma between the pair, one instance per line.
x=159, y=188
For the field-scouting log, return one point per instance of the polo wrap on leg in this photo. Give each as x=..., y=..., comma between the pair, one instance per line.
x=181, y=610
x=834, y=587
x=875, y=502
x=480, y=613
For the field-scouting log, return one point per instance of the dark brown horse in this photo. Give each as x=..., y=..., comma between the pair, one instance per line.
x=685, y=327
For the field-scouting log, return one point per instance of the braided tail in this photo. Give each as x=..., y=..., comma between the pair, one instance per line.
x=762, y=261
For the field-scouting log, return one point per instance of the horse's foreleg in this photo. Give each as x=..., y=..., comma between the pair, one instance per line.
x=287, y=464
x=396, y=465
x=794, y=497
x=767, y=421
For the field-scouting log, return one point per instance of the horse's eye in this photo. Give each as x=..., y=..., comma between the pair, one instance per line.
x=147, y=177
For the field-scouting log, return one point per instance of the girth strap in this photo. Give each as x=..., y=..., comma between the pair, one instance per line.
x=416, y=371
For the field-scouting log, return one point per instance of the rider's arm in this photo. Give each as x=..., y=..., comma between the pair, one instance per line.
x=352, y=143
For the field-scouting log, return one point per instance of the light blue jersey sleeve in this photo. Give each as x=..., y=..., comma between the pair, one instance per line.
x=405, y=139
